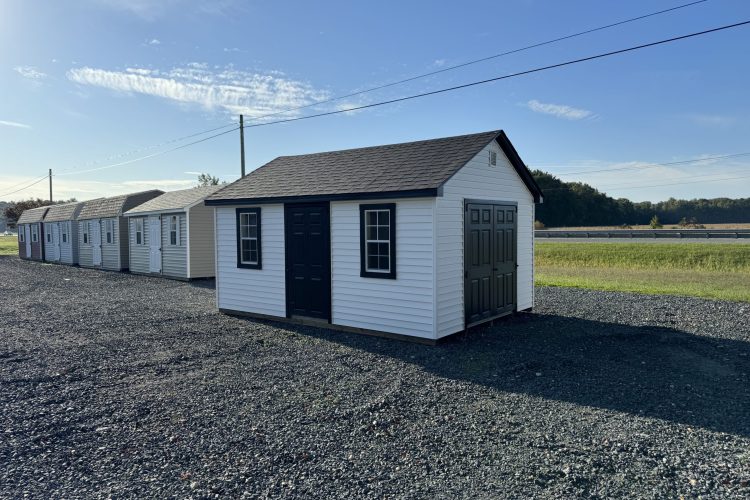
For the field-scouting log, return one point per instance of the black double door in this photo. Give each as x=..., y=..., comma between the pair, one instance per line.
x=490, y=260
x=308, y=260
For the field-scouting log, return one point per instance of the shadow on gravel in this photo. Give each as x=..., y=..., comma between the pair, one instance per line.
x=653, y=372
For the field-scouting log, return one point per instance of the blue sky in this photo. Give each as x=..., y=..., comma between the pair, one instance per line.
x=85, y=83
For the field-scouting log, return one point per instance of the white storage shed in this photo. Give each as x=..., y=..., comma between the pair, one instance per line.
x=172, y=235
x=103, y=230
x=422, y=239
x=61, y=233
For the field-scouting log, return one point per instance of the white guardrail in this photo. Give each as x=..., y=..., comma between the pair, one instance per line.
x=645, y=233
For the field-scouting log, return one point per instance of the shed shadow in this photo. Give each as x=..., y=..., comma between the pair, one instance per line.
x=648, y=371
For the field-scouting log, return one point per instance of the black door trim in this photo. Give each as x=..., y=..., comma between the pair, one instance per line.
x=288, y=257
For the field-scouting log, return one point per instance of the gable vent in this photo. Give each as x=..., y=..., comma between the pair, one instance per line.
x=493, y=158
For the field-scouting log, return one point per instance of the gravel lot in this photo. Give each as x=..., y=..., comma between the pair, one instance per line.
x=127, y=386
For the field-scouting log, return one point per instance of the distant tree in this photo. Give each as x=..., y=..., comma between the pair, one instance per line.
x=655, y=224
x=208, y=180
x=14, y=209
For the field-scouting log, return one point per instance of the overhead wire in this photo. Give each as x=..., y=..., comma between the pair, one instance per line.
x=26, y=187
x=651, y=165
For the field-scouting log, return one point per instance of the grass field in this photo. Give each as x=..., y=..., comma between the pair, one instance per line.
x=8, y=245
x=698, y=269
x=733, y=225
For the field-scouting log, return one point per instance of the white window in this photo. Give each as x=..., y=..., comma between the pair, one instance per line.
x=378, y=241
x=49, y=234
x=248, y=238
x=85, y=232
x=493, y=158
x=139, y=232
x=34, y=233
x=21, y=234
x=174, y=230
x=64, y=231
x=109, y=230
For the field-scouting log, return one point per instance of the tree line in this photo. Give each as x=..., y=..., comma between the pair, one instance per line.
x=569, y=204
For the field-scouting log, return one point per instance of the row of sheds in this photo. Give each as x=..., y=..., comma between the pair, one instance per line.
x=150, y=232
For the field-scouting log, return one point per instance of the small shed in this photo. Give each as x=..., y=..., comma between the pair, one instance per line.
x=422, y=239
x=172, y=235
x=30, y=241
x=103, y=230
x=61, y=233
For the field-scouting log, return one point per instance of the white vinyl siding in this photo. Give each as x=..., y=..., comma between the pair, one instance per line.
x=404, y=305
x=69, y=248
x=260, y=291
x=138, y=252
x=201, y=240
x=173, y=256
x=479, y=180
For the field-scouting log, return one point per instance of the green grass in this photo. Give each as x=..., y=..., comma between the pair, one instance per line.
x=710, y=270
x=8, y=245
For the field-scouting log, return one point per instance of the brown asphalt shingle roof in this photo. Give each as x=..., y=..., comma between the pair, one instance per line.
x=116, y=205
x=174, y=200
x=32, y=215
x=65, y=211
x=412, y=166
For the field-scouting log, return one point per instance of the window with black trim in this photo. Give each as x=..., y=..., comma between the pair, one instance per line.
x=174, y=230
x=248, y=238
x=377, y=240
x=139, y=231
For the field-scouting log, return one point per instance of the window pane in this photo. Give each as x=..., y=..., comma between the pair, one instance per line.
x=384, y=217
x=383, y=263
x=383, y=232
x=253, y=245
x=253, y=256
x=372, y=249
x=252, y=219
x=372, y=233
x=372, y=262
x=371, y=216
x=173, y=238
x=252, y=231
x=382, y=249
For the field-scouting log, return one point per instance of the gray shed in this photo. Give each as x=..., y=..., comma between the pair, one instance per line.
x=103, y=230
x=172, y=235
x=30, y=241
x=61, y=233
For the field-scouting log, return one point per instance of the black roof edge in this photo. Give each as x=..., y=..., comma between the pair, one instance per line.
x=520, y=166
x=383, y=195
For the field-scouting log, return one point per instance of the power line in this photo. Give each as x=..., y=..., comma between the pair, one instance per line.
x=678, y=183
x=651, y=165
x=483, y=59
x=153, y=155
x=27, y=186
x=504, y=77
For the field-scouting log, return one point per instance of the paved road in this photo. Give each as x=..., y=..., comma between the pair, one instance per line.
x=740, y=241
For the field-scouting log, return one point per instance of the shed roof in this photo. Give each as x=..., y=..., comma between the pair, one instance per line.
x=174, y=200
x=395, y=170
x=64, y=211
x=116, y=205
x=32, y=215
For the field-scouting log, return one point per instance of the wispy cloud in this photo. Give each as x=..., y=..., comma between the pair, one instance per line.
x=558, y=110
x=150, y=10
x=439, y=63
x=154, y=41
x=711, y=120
x=14, y=124
x=30, y=73
x=226, y=89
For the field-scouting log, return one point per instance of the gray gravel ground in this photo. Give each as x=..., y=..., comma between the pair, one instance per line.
x=126, y=386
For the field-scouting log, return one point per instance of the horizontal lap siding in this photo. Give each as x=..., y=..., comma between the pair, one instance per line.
x=402, y=306
x=111, y=251
x=202, y=251
x=85, y=251
x=138, y=254
x=174, y=257
x=479, y=180
x=67, y=250
x=260, y=291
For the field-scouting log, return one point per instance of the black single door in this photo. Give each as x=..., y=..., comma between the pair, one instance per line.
x=490, y=260
x=308, y=260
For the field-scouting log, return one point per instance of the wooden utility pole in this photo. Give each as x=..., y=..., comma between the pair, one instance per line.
x=50, y=185
x=242, y=144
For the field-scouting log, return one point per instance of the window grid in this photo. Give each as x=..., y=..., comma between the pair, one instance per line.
x=377, y=241
x=139, y=240
x=64, y=232
x=174, y=230
x=86, y=233
x=34, y=234
x=21, y=235
x=248, y=238
x=109, y=229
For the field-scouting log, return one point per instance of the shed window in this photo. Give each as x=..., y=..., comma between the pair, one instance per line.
x=248, y=238
x=21, y=234
x=139, y=232
x=109, y=230
x=174, y=230
x=378, y=240
x=64, y=231
x=85, y=232
x=34, y=233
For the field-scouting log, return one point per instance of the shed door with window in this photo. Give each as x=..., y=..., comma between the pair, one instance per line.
x=27, y=239
x=96, y=241
x=154, y=244
x=308, y=260
x=489, y=260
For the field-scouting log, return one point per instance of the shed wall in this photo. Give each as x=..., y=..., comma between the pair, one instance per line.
x=85, y=252
x=479, y=180
x=138, y=257
x=36, y=247
x=174, y=257
x=259, y=291
x=111, y=252
x=404, y=305
x=202, y=250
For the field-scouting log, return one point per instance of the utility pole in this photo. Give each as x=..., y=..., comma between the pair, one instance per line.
x=50, y=185
x=242, y=145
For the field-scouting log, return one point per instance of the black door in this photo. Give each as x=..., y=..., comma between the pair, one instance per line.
x=490, y=260
x=308, y=260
